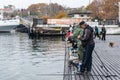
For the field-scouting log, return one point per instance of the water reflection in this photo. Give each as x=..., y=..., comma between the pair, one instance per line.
x=25, y=59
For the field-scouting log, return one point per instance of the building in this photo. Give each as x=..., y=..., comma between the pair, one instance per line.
x=7, y=9
x=83, y=15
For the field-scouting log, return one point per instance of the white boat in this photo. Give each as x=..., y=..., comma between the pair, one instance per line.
x=6, y=25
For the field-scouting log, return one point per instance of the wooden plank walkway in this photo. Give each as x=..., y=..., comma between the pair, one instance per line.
x=106, y=62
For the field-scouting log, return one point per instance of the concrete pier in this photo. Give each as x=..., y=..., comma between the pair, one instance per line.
x=106, y=62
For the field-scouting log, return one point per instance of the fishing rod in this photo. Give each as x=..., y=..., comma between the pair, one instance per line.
x=65, y=58
x=103, y=66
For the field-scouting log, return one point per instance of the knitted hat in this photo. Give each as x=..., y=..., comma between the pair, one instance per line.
x=81, y=23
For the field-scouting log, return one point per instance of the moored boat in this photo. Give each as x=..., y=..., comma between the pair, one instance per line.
x=6, y=25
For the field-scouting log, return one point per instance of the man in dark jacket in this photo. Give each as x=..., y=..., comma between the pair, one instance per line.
x=103, y=31
x=88, y=46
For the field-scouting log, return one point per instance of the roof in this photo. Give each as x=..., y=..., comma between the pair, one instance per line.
x=87, y=12
x=6, y=9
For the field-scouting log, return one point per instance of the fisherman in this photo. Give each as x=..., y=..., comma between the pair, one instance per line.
x=71, y=28
x=68, y=35
x=76, y=52
x=88, y=47
x=78, y=31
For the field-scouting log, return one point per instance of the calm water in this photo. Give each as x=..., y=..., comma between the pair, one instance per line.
x=25, y=59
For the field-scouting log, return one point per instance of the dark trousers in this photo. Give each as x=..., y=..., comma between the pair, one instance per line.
x=97, y=34
x=87, y=58
x=103, y=36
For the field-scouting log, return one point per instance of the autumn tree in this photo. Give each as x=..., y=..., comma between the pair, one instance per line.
x=37, y=9
x=110, y=9
x=61, y=15
x=42, y=9
x=54, y=9
x=104, y=9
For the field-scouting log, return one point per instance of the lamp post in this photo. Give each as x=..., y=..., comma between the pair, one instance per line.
x=50, y=7
x=119, y=11
x=89, y=2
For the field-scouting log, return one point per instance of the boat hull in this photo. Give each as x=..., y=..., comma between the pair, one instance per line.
x=7, y=28
x=8, y=25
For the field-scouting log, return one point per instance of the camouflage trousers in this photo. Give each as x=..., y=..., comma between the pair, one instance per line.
x=80, y=52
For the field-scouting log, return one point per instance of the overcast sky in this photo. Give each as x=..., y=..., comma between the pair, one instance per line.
x=26, y=3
